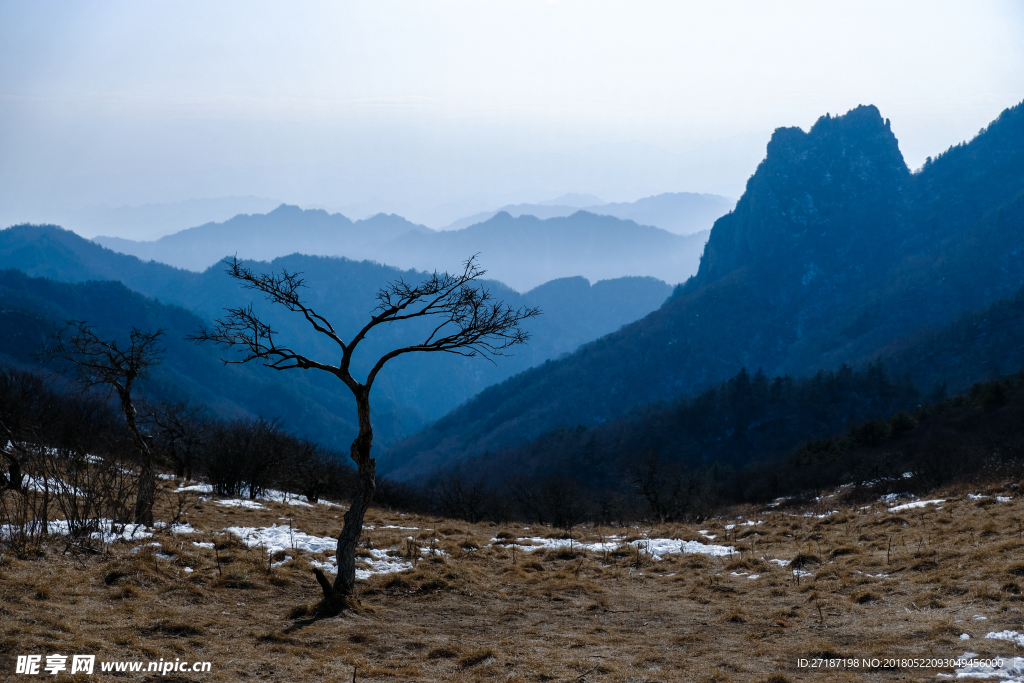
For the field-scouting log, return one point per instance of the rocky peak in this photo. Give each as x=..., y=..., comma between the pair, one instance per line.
x=817, y=197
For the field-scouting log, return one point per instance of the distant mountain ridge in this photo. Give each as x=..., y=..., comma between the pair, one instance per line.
x=834, y=252
x=263, y=237
x=682, y=213
x=522, y=252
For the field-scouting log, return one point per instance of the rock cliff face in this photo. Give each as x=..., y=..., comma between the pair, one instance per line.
x=834, y=251
x=819, y=201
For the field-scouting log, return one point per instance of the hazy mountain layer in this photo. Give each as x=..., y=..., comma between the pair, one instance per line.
x=683, y=213
x=263, y=237
x=343, y=290
x=834, y=251
x=522, y=252
x=526, y=251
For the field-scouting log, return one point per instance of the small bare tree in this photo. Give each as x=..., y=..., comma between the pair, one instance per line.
x=180, y=431
x=463, y=319
x=98, y=362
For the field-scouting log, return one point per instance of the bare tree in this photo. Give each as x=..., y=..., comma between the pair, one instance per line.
x=463, y=319
x=101, y=363
x=463, y=497
x=180, y=431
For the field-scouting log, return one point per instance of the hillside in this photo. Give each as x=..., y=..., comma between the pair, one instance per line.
x=31, y=308
x=575, y=311
x=834, y=252
x=523, y=252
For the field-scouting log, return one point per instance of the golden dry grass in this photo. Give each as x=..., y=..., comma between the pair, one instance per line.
x=879, y=584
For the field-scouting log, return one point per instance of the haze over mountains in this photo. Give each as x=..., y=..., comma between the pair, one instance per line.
x=152, y=221
x=521, y=251
x=834, y=252
x=411, y=391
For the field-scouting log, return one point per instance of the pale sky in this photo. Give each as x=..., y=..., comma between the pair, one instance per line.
x=442, y=108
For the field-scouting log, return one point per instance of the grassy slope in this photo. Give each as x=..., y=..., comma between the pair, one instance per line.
x=887, y=585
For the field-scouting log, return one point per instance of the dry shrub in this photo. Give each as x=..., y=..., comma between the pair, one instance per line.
x=241, y=580
x=133, y=568
x=173, y=629
x=734, y=616
x=804, y=559
x=745, y=563
x=474, y=658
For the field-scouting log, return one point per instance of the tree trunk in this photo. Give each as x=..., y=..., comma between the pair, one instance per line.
x=14, y=475
x=337, y=595
x=147, y=477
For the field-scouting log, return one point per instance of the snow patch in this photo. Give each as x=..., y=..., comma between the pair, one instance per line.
x=1011, y=636
x=917, y=504
x=108, y=531
x=279, y=538
x=241, y=503
x=201, y=488
x=1011, y=671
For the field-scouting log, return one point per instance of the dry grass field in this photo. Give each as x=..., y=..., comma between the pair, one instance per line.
x=481, y=603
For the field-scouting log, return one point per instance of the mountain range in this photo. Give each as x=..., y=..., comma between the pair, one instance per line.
x=834, y=253
x=521, y=251
x=410, y=392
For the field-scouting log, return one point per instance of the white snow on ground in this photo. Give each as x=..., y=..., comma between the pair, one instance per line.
x=272, y=495
x=1012, y=636
x=166, y=476
x=199, y=544
x=201, y=488
x=893, y=497
x=109, y=532
x=275, y=538
x=54, y=485
x=667, y=546
x=999, y=499
x=276, y=496
x=781, y=563
x=1012, y=670
x=279, y=538
x=392, y=526
x=144, y=545
x=241, y=503
x=980, y=617
x=655, y=547
x=708, y=535
x=177, y=528
x=917, y=504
